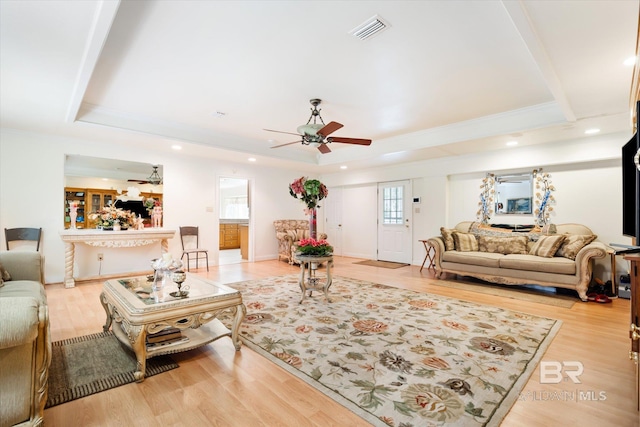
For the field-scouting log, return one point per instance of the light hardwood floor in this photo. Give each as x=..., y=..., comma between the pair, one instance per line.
x=217, y=386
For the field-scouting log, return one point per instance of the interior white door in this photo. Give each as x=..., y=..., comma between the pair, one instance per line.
x=333, y=219
x=394, y=221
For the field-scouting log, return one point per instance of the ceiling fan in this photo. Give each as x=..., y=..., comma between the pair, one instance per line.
x=317, y=134
x=154, y=178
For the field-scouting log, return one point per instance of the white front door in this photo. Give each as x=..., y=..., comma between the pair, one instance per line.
x=394, y=225
x=333, y=218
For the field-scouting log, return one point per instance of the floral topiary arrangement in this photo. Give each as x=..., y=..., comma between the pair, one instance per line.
x=485, y=205
x=313, y=247
x=310, y=191
x=544, y=197
x=108, y=216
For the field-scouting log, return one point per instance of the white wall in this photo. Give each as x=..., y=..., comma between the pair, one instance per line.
x=31, y=195
x=586, y=174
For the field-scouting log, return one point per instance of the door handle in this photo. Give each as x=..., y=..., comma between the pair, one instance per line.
x=634, y=332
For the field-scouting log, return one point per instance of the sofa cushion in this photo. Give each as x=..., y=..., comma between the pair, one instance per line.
x=547, y=246
x=480, y=229
x=19, y=321
x=556, y=265
x=465, y=242
x=573, y=243
x=503, y=245
x=23, y=265
x=447, y=237
x=484, y=259
x=24, y=288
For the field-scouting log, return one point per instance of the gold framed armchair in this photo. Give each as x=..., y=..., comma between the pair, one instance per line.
x=288, y=233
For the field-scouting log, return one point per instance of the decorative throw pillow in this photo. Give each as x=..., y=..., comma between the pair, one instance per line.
x=573, y=243
x=503, y=245
x=465, y=242
x=447, y=236
x=547, y=246
x=4, y=275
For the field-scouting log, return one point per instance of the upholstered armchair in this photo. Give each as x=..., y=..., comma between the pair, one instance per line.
x=289, y=232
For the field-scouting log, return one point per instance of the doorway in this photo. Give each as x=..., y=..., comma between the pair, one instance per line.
x=394, y=222
x=234, y=220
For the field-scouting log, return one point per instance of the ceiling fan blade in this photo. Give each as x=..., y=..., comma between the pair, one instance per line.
x=279, y=131
x=329, y=129
x=139, y=181
x=324, y=148
x=357, y=141
x=288, y=143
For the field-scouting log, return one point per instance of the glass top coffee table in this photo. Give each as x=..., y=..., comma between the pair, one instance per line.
x=135, y=311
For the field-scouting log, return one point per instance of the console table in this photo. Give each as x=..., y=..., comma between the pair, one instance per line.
x=109, y=239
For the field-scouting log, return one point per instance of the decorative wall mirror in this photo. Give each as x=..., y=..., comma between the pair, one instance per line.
x=514, y=194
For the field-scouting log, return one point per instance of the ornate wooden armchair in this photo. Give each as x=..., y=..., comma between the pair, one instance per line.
x=288, y=233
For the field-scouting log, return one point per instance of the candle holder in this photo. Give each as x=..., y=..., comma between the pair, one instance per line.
x=179, y=277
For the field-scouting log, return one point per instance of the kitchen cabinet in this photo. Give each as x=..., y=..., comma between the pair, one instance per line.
x=244, y=240
x=229, y=236
x=96, y=200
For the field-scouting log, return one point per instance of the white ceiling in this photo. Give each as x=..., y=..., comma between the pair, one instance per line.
x=446, y=78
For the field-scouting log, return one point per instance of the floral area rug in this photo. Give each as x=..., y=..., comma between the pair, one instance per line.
x=397, y=357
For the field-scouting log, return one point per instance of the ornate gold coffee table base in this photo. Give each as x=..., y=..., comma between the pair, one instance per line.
x=132, y=318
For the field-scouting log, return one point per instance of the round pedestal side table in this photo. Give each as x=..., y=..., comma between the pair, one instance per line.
x=309, y=281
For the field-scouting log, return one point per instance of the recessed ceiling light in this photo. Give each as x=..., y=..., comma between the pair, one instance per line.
x=176, y=147
x=630, y=61
x=271, y=141
x=591, y=131
x=343, y=167
x=105, y=179
x=252, y=159
x=512, y=143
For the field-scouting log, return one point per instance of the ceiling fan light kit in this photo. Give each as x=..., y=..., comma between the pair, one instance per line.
x=317, y=134
x=154, y=178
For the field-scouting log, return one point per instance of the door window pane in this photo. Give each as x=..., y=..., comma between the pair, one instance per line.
x=392, y=205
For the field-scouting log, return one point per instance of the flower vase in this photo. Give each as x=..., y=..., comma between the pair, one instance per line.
x=156, y=217
x=313, y=224
x=74, y=217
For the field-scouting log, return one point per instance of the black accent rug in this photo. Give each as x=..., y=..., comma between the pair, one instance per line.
x=93, y=363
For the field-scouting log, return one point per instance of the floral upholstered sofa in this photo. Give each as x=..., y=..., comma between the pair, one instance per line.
x=559, y=256
x=288, y=233
x=25, y=343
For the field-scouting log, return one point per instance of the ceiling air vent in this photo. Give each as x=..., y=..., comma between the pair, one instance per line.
x=369, y=28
